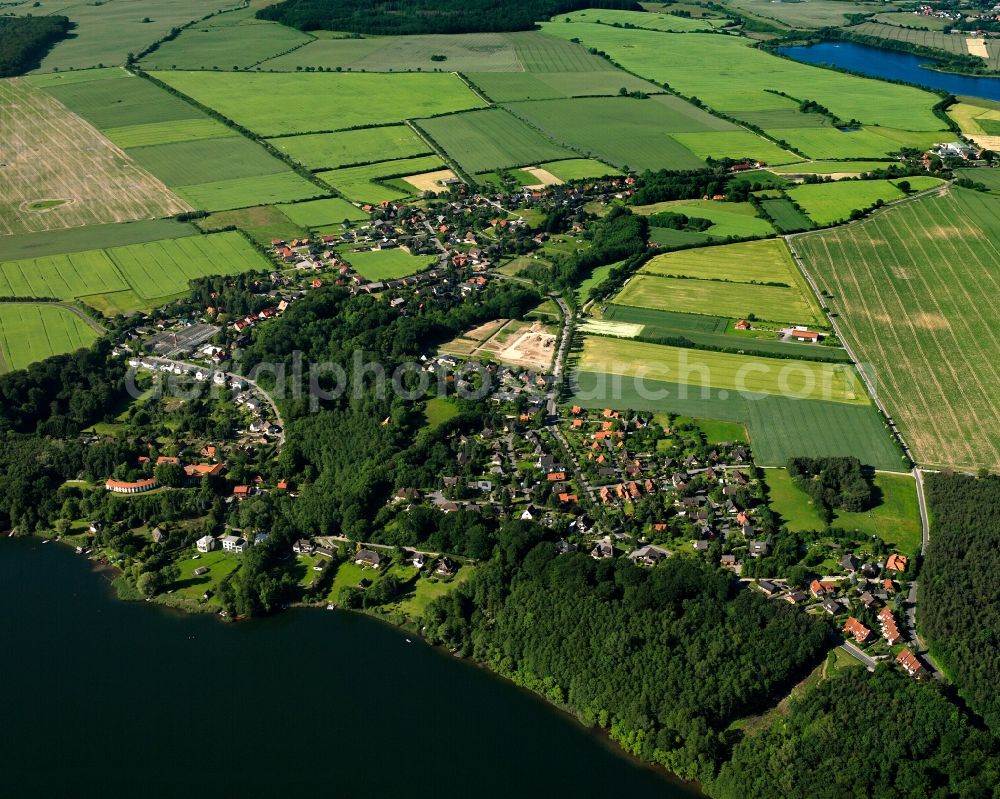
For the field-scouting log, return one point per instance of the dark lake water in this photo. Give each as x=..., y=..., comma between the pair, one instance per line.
x=103, y=697
x=879, y=63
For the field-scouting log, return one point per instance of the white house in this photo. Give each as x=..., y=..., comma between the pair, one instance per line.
x=233, y=543
x=205, y=544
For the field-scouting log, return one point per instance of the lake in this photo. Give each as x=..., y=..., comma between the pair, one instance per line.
x=122, y=698
x=893, y=65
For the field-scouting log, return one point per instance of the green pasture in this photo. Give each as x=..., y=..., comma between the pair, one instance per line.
x=480, y=141
x=785, y=216
x=205, y=46
x=640, y=19
x=31, y=332
x=348, y=147
x=222, y=195
x=317, y=213
x=358, y=183
x=730, y=219
x=377, y=265
x=185, y=163
x=827, y=203
x=274, y=104
x=503, y=87
x=579, y=169
x=91, y=237
x=118, y=102
x=152, y=133
x=735, y=144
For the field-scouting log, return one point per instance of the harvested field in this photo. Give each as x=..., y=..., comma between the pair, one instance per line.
x=431, y=181
x=604, y=327
x=54, y=155
x=545, y=178
x=919, y=313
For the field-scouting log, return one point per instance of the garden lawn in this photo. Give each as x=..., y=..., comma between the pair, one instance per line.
x=219, y=564
x=437, y=411
x=31, y=332
x=350, y=147
x=313, y=102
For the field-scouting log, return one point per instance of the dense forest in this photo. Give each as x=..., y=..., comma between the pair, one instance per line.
x=867, y=736
x=959, y=592
x=662, y=658
x=400, y=17
x=24, y=41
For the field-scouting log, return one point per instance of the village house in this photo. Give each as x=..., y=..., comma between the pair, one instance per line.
x=233, y=543
x=911, y=663
x=205, y=544
x=648, y=555
x=368, y=559
x=856, y=629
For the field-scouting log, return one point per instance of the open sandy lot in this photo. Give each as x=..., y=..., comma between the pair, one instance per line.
x=430, y=181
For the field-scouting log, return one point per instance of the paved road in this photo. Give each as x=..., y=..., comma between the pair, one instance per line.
x=854, y=652
x=235, y=376
x=560, y=360
x=587, y=487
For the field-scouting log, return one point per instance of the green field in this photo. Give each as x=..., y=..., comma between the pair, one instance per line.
x=738, y=300
x=868, y=142
x=895, y=518
x=377, y=265
x=117, y=102
x=219, y=564
x=579, y=169
x=779, y=428
x=317, y=213
x=206, y=46
x=915, y=289
x=351, y=147
x=766, y=261
x=598, y=276
x=91, y=237
x=185, y=163
x=785, y=216
x=503, y=87
x=480, y=141
x=262, y=223
x=729, y=75
x=745, y=375
x=730, y=219
x=146, y=134
x=735, y=144
x=106, y=32
x=641, y=19
x=828, y=203
x=666, y=320
x=31, y=332
x=147, y=271
x=313, y=102
x=161, y=269
x=358, y=183
x=624, y=131
x=223, y=195
x=437, y=411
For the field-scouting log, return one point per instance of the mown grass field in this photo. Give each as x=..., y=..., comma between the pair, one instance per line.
x=829, y=167
x=224, y=195
x=352, y=147
x=728, y=74
x=317, y=213
x=828, y=203
x=480, y=141
x=766, y=261
x=624, y=131
x=358, y=183
x=666, y=320
x=895, y=518
x=349, y=100
x=863, y=143
x=262, y=223
x=65, y=174
x=915, y=289
x=779, y=428
x=737, y=300
x=729, y=219
x=735, y=144
x=744, y=375
x=31, y=332
x=149, y=271
x=376, y=265
x=804, y=14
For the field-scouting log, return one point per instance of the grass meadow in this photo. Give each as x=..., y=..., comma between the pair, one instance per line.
x=829, y=203
x=314, y=102
x=729, y=219
x=358, y=183
x=151, y=133
x=785, y=216
x=185, y=163
x=207, y=46
x=579, y=169
x=31, y=332
x=504, y=87
x=317, y=213
x=224, y=195
x=730, y=75
x=480, y=141
x=352, y=147
x=915, y=289
x=376, y=265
